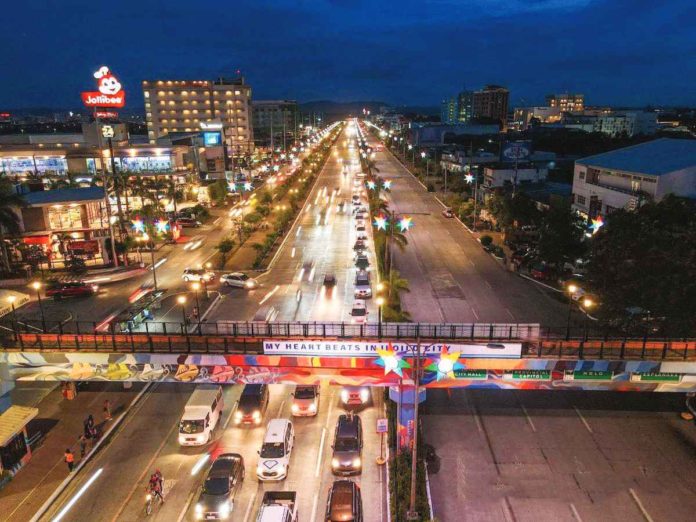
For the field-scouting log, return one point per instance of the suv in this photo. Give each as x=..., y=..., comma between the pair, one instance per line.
x=252, y=404
x=274, y=456
x=359, y=312
x=197, y=274
x=344, y=502
x=71, y=289
x=347, y=446
x=224, y=479
x=363, y=289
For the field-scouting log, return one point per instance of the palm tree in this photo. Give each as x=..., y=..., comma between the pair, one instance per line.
x=10, y=202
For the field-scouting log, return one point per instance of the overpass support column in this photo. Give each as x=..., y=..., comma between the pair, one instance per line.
x=404, y=398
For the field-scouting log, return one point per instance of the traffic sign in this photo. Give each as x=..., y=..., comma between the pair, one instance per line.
x=382, y=425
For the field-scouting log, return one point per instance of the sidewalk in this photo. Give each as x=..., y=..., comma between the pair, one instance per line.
x=62, y=421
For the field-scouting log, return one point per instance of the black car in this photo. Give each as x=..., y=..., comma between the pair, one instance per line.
x=252, y=404
x=329, y=280
x=360, y=245
x=347, y=446
x=362, y=262
x=344, y=503
x=225, y=476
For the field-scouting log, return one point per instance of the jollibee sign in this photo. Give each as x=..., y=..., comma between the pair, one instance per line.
x=110, y=93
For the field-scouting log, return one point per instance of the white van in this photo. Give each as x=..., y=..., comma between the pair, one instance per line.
x=201, y=414
x=274, y=456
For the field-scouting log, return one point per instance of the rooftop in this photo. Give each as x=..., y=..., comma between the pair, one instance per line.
x=45, y=197
x=655, y=157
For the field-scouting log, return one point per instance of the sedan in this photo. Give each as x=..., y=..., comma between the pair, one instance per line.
x=239, y=280
x=448, y=213
x=224, y=479
x=71, y=289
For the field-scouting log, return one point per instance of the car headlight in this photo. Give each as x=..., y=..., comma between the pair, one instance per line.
x=200, y=438
x=313, y=407
x=256, y=415
x=199, y=508
x=295, y=408
x=344, y=395
x=335, y=463
x=237, y=414
x=249, y=284
x=356, y=462
x=224, y=509
x=364, y=395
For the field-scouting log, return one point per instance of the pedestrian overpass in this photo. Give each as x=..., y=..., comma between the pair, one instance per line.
x=507, y=356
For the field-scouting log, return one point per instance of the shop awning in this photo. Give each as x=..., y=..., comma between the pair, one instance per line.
x=13, y=420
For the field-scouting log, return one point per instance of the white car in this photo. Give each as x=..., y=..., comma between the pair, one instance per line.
x=305, y=401
x=239, y=279
x=355, y=395
x=274, y=456
x=197, y=274
x=359, y=312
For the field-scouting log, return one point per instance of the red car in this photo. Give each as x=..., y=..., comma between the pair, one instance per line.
x=71, y=289
x=542, y=272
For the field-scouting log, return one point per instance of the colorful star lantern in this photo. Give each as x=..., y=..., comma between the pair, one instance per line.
x=371, y=185
x=387, y=184
x=138, y=225
x=247, y=186
x=596, y=224
x=162, y=226
x=381, y=222
x=446, y=365
x=469, y=178
x=232, y=186
x=391, y=361
x=405, y=223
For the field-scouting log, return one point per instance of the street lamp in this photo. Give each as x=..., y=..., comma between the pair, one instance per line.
x=587, y=303
x=571, y=288
x=11, y=299
x=182, y=301
x=144, y=239
x=196, y=286
x=380, y=303
x=36, y=285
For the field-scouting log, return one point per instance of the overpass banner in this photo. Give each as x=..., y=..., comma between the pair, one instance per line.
x=321, y=348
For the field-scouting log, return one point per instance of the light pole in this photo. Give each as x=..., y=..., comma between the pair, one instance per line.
x=144, y=239
x=587, y=303
x=412, y=513
x=11, y=299
x=36, y=285
x=208, y=266
x=182, y=301
x=380, y=303
x=571, y=290
x=196, y=286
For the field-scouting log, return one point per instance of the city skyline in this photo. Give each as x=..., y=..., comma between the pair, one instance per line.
x=340, y=51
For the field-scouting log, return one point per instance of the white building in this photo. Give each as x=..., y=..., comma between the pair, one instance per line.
x=625, y=178
x=497, y=177
x=629, y=123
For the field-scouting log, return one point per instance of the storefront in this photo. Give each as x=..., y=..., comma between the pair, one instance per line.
x=22, y=166
x=15, y=451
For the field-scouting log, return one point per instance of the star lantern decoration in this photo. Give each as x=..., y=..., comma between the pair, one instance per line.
x=138, y=225
x=405, y=223
x=597, y=223
x=162, y=226
x=446, y=364
x=387, y=184
x=469, y=178
x=391, y=361
x=371, y=185
x=232, y=187
x=247, y=186
x=381, y=222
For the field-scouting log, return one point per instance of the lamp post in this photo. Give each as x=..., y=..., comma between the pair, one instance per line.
x=196, y=286
x=587, y=303
x=182, y=301
x=36, y=285
x=412, y=514
x=11, y=299
x=571, y=290
x=380, y=303
x=208, y=266
x=144, y=239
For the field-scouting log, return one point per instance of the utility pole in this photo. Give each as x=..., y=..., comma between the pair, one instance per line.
x=412, y=513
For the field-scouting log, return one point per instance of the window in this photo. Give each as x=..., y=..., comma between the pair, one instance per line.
x=582, y=174
x=581, y=200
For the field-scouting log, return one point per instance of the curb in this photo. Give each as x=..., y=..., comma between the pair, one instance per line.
x=66, y=482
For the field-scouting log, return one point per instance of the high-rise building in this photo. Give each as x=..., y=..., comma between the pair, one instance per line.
x=173, y=106
x=491, y=102
x=465, y=106
x=275, y=122
x=449, y=111
x=566, y=102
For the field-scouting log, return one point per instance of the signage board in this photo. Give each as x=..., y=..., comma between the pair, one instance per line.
x=362, y=349
x=382, y=426
x=106, y=115
x=588, y=375
x=656, y=377
x=516, y=150
x=107, y=131
x=472, y=375
x=528, y=375
x=110, y=92
x=212, y=139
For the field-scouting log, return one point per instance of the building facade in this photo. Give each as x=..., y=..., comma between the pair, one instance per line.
x=524, y=115
x=449, y=111
x=275, y=122
x=629, y=123
x=626, y=178
x=491, y=102
x=566, y=102
x=183, y=105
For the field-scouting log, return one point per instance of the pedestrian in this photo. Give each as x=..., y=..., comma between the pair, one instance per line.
x=107, y=410
x=90, y=421
x=69, y=459
x=83, y=445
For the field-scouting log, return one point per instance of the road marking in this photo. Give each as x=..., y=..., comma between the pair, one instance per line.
x=510, y=313
x=269, y=295
x=79, y=494
x=529, y=419
x=186, y=507
x=314, y=506
x=250, y=505
x=292, y=253
x=321, y=452
x=584, y=421
x=507, y=510
x=488, y=285
x=280, y=409
x=575, y=513
x=475, y=314
x=328, y=414
x=474, y=265
x=646, y=515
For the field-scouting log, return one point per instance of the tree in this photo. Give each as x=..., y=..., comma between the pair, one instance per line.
x=10, y=203
x=561, y=234
x=218, y=191
x=513, y=211
x=647, y=260
x=224, y=247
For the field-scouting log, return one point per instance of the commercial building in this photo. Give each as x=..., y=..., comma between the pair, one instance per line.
x=500, y=176
x=275, y=122
x=436, y=135
x=183, y=105
x=626, y=178
x=566, y=102
x=628, y=123
x=491, y=102
x=523, y=116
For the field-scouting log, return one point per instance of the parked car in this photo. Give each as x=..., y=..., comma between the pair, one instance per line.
x=187, y=222
x=347, y=446
x=344, y=503
x=197, y=274
x=448, y=213
x=59, y=290
x=252, y=404
x=224, y=480
x=239, y=279
x=542, y=272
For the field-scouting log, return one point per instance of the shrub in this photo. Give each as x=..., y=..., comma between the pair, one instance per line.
x=253, y=218
x=486, y=240
x=430, y=187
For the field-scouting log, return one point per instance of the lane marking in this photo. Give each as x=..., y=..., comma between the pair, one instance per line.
x=488, y=285
x=474, y=312
x=507, y=510
x=280, y=408
x=584, y=421
x=575, y=513
x=510, y=313
x=79, y=494
x=269, y=295
x=474, y=265
x=321, y=452
x=186, y=507
x=250, y=505
x=529, y=419
x=644, y=512
x=314, y=506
